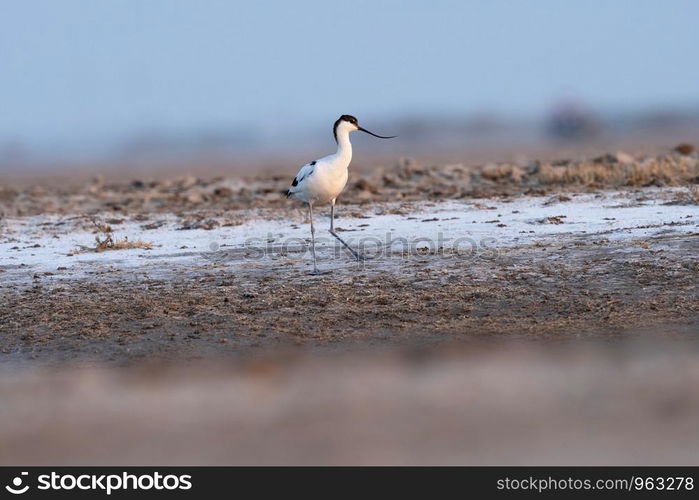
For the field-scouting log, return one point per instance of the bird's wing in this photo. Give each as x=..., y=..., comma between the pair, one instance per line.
x=306, y=171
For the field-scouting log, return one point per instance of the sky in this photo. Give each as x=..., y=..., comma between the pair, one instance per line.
x=85, y=70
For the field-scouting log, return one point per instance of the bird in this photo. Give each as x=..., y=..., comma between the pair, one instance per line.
x=322, y=180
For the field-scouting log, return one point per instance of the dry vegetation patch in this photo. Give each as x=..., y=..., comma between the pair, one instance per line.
x=106, y=240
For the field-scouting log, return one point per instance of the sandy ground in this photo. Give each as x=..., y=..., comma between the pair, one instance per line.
x=544, y=321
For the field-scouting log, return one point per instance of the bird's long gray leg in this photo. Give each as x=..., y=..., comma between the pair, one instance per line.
x=313, y=239
x=332, y=216
x=356, y=254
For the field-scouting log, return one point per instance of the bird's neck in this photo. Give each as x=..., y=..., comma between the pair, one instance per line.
x=344, y=146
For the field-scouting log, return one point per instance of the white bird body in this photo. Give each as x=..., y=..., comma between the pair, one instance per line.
x=321, y=181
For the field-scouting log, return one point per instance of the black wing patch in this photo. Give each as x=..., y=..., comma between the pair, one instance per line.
x=296, y=180
x=310, y=173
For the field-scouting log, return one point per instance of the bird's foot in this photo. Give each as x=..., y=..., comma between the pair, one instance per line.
x=318, y=272
x=359, y=256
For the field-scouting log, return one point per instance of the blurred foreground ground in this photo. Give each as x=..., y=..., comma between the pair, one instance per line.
x=626, y=403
